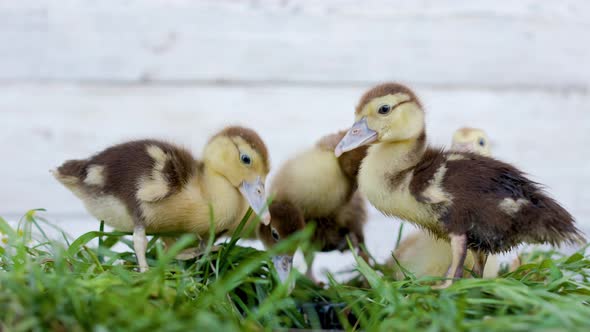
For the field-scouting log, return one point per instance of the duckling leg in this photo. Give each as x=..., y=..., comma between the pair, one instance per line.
x=459, y=250
x=480, y=262
x=140, y=246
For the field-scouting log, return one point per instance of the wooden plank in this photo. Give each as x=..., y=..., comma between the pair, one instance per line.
x=526, y=44
x=42, y=125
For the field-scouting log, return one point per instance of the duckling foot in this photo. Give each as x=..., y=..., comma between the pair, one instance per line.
x=444, y=285
x=192, y=253
x=188, y=254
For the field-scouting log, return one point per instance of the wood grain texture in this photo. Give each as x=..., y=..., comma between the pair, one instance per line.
x=501, y=44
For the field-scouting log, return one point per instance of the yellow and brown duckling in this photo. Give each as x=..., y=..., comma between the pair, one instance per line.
x=154, y=187
x=316, y=186
x=426, y=255
x=436, y=190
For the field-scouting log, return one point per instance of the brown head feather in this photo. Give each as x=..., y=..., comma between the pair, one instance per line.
x=286, y=218
x=251, y=137
x=384, y=90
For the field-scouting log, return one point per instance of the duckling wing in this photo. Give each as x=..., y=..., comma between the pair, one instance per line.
x=144, y=170
x=427, y=176
x=169, y=171
x=487, y=177
x=462, y=175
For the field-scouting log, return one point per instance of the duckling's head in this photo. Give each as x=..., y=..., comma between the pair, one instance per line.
x=240, y=155
x=389, y=112
x=285, y=220
x=471, y=140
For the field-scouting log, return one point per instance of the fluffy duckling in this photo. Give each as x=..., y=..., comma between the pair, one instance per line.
x=316, y=186
x=425, y=255
x=401, y=176
x=150, y=186
x=471, y=140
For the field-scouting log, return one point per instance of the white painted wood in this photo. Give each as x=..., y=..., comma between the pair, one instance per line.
x=452, y=43
x=546, y=134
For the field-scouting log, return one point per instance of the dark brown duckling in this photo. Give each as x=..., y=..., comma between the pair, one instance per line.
x=425, y=255
x=150, y=186
x=476, y=202
x=316, y=186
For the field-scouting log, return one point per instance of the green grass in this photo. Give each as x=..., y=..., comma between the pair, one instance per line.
x=70, y=286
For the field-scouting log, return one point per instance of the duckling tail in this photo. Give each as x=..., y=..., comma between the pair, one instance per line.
x=71, y=172
x=558, y=224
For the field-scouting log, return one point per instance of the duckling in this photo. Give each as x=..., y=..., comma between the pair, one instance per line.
x=471, y=140
x=151, y=186
x=425, y=255
x=286, y=219
x=316, y=186
x=401, y=176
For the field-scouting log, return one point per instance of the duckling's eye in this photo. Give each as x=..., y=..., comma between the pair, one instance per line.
x=384, y=109
x=246, y=160
x=275, y=235
x=482, y=142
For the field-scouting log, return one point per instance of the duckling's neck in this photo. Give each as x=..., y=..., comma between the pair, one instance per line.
x=225, y=199
x=385, y=176
x=398, y=156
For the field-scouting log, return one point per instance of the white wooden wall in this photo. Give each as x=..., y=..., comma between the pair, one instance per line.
x=78, y=75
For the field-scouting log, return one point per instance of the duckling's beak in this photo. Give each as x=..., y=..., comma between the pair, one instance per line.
x=360, y=134
x=283, y=264
x=256, y=196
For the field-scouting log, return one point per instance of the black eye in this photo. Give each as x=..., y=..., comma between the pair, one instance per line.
x=246, y=159
x=482, y=142
x=384, y=109
x=274, y=234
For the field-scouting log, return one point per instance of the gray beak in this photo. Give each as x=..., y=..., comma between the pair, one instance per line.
x=360, y=134
x=256, y=196
x=283, y=264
